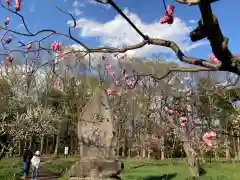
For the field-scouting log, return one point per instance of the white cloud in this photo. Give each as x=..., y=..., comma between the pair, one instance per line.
x=77, y=12
x=193, y=21
x=32, y=8
x=107, y=6
x=76, y=8
x=21, y=25
x=77, y=3
x=118, y=32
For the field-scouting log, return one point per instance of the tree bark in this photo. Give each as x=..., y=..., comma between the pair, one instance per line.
x=143, y=152
x=2, y=153
x=42, y=145
x=234, y=145
x=162, y=148
x=57, y=144
x=46, y=146
x=238, y=144
x=81, y=149
x=193, y=161
x=227, y=148
x=149, y=153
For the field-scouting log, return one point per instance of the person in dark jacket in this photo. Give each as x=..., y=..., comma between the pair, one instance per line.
x=27, y=156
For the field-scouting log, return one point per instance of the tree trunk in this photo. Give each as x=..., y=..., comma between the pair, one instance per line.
x=149, y=153
x=234, y=145
x=2, y=153
x=42, y=145
x=227, y=148
x=81, y=149
x=46, y=146
x=129, y=152
x=193, y=161
x=52, y=145
x=57, y=145
x=238, y=145
x=143, y=152
x=162, y=148
x=30, y=143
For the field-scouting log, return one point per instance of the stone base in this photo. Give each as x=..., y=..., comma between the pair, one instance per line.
x=96, y=169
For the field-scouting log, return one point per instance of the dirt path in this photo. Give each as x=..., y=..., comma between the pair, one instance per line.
x=44, y=174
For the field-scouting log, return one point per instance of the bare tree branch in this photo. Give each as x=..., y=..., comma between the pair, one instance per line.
x=193, y=2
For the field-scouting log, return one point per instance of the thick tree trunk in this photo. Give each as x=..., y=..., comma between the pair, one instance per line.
x=193, y=161
x=57, y=145
x=52, y=145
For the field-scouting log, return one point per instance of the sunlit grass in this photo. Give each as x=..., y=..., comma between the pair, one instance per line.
x=170, y=169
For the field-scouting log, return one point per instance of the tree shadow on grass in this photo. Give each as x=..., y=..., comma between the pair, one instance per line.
x=202, y=171
x=163, y=177
x=144, y=165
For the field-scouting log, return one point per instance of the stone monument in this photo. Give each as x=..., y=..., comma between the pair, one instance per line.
x=97, y=142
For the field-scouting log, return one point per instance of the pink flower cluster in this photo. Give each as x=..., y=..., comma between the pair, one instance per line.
x=214, y=59
x=29, y=46
x=168, y=17
x=111, y=91
x=17, y=5
x=7, y=21
x=8, y=2
x=56, y=47
x=171, y=111
x=8, y=60
x=183, y=121
x=208, y=137
x=129, y=84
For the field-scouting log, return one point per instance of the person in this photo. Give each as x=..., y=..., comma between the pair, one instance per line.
x=27, y=156
x=35, y=164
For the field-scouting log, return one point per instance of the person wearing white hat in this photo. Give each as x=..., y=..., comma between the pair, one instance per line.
x=35, y=164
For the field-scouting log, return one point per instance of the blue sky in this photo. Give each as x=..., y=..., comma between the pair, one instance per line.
x=100, y=25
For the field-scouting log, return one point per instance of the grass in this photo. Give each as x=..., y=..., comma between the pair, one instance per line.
x=10, y=169
x=60, y=166
x=178, y=170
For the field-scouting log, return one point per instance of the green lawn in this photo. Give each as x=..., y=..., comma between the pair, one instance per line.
x=10, y=169
x=134, y=170
x=178, y=171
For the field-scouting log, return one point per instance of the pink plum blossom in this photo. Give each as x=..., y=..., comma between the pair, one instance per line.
x=7, y=21
x=110, y=91
x=214, y=59
x=168, y=17
x=8, y=2
x=207, y=138
x=183, y=121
